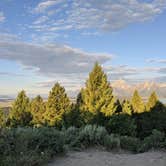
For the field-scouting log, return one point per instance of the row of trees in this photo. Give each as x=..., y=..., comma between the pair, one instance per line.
x=95, y=104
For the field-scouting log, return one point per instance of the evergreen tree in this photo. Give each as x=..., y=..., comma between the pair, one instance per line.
x=137, y=103
x=2, y=118
x=118, y=106
x=19, y=113
x=127, y=107
x=57, y=106
x=97, y=96
x=152, y=101
x=37, y=108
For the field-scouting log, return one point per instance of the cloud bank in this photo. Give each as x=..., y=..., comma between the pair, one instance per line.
x=50, y=59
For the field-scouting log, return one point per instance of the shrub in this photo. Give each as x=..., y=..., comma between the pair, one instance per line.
x=111, y=142
x=72, y=137
x=122, y=124
x=92, y=134
x=52, y=139
x=155, y=140
x=29, y=158
x=29, y=146
x=129, y=143
x=148, y=121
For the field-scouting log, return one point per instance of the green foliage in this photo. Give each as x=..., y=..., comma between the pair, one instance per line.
x=50, y=138
x=118, y=106
x=122, y=124
x=92, y=134
x=147, y=121
x=111, y=142
x=2, y=118
x=97, y=96
x=72, y=137
x=19, y=114
x=37, y=109
x=129, y=143
x=127, y=107
x=152, y=101
x=155, y=140
x=137, y=103
x=73, y=117
x=29, y=146
x=58, y=104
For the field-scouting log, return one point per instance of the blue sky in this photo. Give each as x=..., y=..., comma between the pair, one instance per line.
x=45, y=41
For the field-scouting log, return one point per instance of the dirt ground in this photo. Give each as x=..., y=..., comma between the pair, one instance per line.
x=98, y=157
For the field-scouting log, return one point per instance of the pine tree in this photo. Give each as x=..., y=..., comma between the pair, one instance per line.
x=127, y=107
x=57, y=106
x=137, y=103
x=118, y=106
x=152, y=101
x=2, y=118
x=97, y=96
x=37, y=108
x=19, y=113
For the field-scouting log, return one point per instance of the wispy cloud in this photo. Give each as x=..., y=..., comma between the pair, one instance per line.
x=43, y=6
x=157, y=61
x=41, y=19
x=2, y=17
x=97, y=15
x=10, y=74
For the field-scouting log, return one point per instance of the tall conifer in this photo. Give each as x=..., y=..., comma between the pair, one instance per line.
x=2, y=118
x=137, y=103
x=97, y=96
x=152, y=101
x=19, y=113
x=37, y=108
x=57, y=105
x=127, y=107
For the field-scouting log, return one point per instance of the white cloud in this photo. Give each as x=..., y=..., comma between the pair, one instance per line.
x=41, y=19
x=2, y=17
x=42, y=6
x=51, y=59
x=99, y=15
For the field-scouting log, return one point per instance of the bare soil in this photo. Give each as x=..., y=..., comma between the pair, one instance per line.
x=100, y=157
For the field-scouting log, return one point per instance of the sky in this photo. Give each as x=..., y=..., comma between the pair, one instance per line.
x=48, y=41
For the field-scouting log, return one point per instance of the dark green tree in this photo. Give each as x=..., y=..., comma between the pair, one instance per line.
x=127, y=107
x=122, y=124
x=152, y=101
x=97, y=97
x=137, y=103
x=57, y=106
x=37, y=109
x=118, y=106
x=20, y=114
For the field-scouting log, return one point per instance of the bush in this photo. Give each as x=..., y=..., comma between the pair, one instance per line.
x=122, y=124
x=92, y=134
x=129, y=143
x=29, y=146
x=155, y=140
x=72, y=137
x=52, y=139
x=111, y=142
x=148, y=121
x=29, y=158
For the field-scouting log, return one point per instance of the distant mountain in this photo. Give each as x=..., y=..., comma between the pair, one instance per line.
x=5, y=98
x=123, y=89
